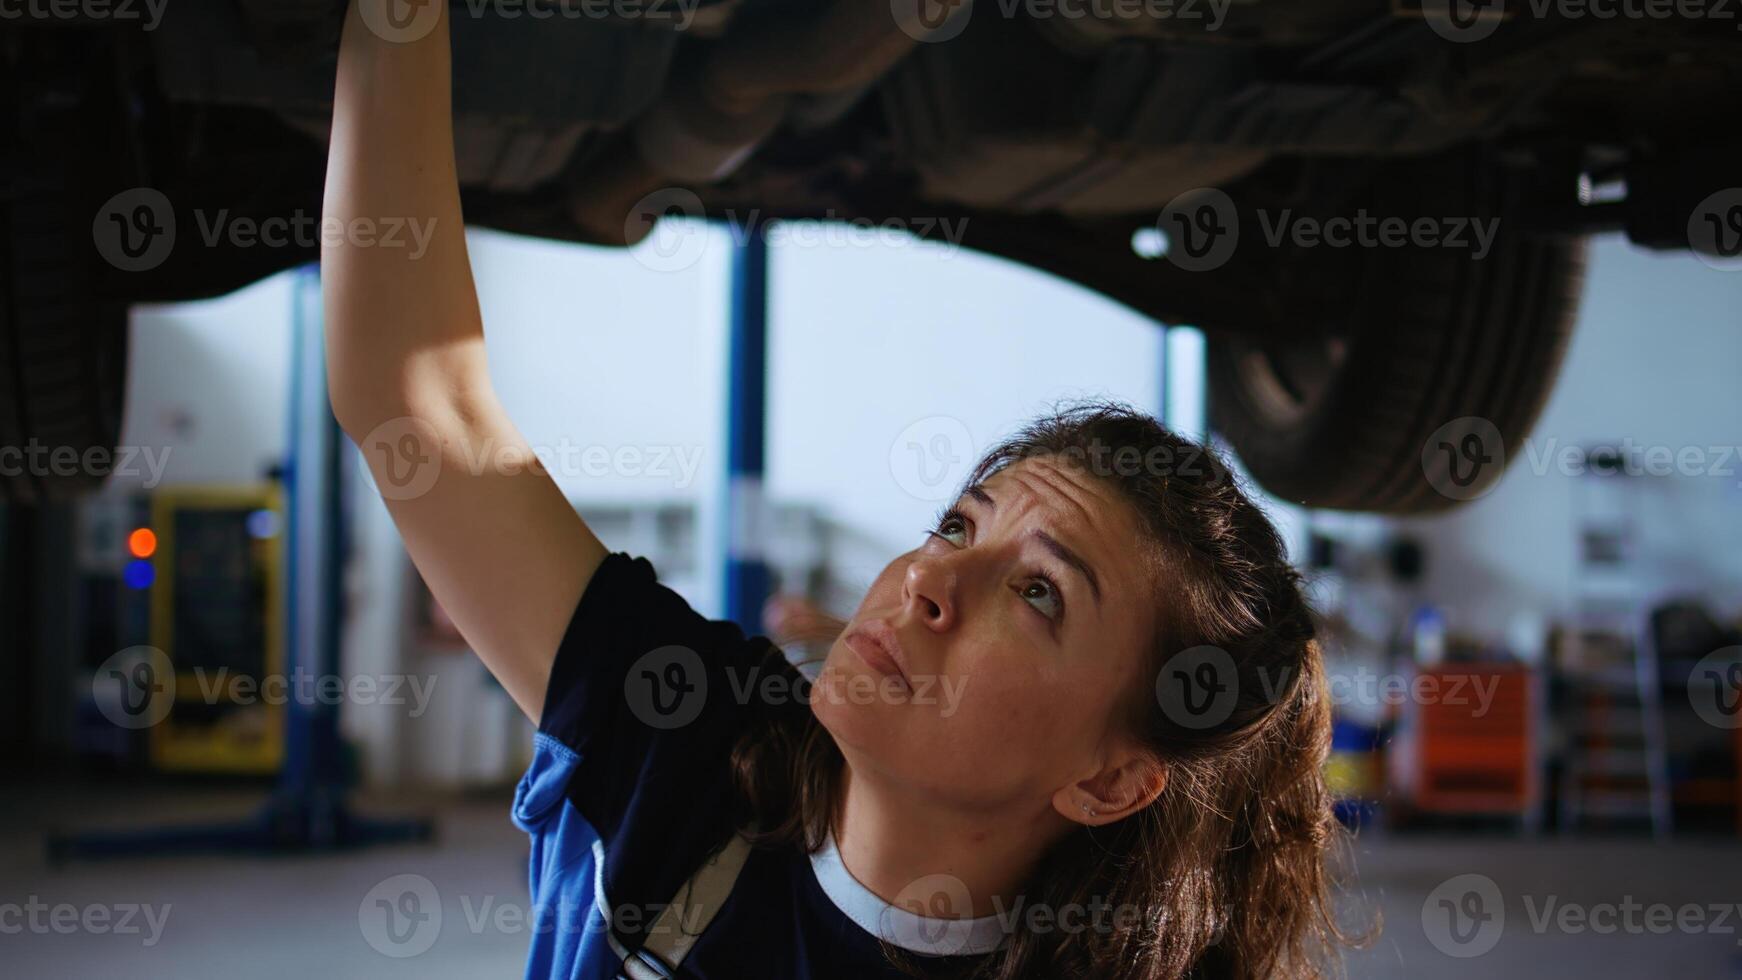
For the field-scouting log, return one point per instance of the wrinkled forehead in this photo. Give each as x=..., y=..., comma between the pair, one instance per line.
x=1086, y=511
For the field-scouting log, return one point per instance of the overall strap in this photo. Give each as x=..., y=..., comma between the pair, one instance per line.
x=669, y=938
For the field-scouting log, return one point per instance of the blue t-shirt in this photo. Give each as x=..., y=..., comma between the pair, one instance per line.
x=630, y=790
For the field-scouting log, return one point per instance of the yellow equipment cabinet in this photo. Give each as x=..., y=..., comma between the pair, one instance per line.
x=217, y=611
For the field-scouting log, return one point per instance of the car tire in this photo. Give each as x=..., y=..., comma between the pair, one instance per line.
x=1436, y=347
x=63, y=353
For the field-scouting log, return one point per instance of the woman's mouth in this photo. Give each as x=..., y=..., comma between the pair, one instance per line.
x=875, y=644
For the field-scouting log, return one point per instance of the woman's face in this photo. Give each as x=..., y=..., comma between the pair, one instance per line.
x=1022, y=624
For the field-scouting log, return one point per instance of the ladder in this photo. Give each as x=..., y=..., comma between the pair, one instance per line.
x=1615, y=761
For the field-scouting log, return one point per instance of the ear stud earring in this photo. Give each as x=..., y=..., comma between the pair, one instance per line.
x=1088, y=809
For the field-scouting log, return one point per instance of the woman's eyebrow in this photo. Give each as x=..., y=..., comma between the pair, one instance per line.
x=1071, y=558
x=1058, y=549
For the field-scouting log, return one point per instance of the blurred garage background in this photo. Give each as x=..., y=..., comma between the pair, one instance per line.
x=1538, y=694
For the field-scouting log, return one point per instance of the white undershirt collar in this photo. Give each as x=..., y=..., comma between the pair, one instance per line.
x=922, y=934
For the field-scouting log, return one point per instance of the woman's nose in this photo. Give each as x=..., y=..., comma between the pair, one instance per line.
x=930, y=588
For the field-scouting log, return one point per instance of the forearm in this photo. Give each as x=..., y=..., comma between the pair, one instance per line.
x=403, y=327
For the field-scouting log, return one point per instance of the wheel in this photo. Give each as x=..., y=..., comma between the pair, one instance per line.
x=63, y=352
x=1428, y=348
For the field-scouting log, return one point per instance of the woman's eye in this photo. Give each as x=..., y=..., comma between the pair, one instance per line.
x=1041, y=594
x=950, y=526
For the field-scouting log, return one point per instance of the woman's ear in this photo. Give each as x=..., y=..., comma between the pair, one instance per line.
x=1130, y=781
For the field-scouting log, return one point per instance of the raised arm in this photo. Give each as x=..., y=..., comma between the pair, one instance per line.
x=499, y=546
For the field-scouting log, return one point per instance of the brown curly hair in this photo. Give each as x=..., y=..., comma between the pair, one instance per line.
x=1231, y=868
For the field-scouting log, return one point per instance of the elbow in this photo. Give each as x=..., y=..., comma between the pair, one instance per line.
x=431, y=407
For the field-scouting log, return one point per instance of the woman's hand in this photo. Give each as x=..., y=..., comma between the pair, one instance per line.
x=493, y=536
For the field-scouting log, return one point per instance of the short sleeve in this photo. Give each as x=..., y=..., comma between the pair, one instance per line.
x=651, y=697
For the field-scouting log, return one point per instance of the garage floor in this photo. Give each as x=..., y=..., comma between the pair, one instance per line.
x=300, y=917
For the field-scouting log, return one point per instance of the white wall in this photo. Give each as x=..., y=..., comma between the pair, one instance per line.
x=1655, y=360
x=208, y=387
x=893, y=368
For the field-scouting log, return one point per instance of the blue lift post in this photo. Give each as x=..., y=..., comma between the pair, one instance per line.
x=306, y=810
x=748, y=581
